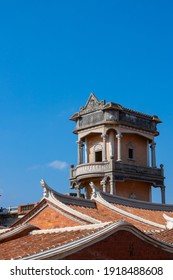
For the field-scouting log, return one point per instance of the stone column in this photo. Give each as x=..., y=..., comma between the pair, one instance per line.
x=112, y=185
x=80, y=152
x=104, y=147
x=119, y=136
x=86, y=151
x=163, y=194
x=111, y=140
x=153, y=154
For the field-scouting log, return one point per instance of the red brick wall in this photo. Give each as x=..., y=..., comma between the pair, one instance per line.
x=49, y=219
x=122, y=245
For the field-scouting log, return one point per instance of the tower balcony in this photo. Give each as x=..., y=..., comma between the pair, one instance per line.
x=90, y=169
x=120, y=171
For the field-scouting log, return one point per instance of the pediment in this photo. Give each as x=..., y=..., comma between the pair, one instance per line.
x=93, y=104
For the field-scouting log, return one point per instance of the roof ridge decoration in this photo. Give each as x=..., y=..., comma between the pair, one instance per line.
x=46, y=189
x=49, y=195
x=66, y=199
x=169, y=221
x=93, y=104
x=137, y=203
x=96, y=194
x=66, y=229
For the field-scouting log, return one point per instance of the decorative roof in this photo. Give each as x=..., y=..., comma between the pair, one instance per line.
x=55, y=208
x=52, y=244
x=93, y=104
x=136, y=203
x=59, y=226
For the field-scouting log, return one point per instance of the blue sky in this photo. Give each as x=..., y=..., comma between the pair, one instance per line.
x=53, y=54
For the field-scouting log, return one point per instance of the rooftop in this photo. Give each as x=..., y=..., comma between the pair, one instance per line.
x=61, y=225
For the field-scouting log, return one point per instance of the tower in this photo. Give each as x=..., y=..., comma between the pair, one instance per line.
x=116, y=151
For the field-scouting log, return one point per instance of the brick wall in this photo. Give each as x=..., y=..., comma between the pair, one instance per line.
x=49, y=219
x=122, y=245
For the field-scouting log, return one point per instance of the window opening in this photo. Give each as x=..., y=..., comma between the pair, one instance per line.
x=98, y=156
x=131, y=153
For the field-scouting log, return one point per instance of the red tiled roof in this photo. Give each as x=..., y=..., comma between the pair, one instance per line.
x=151, y=215
x=41, y=245
x=105, y=214
x=57, y=211
x=32, y=244
x=165, y=236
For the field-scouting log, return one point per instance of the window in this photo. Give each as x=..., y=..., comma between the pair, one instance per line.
x=98, y=152
x=131, y=153
x=98, y=156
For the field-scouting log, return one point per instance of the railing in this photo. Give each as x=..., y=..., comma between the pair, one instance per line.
x=96, y=167
x=116, y=167
x=134, y=169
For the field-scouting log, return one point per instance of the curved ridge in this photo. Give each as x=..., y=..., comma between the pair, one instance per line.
x=73, y=246
x=100, y=199
x=48, y=193
x=69, y=210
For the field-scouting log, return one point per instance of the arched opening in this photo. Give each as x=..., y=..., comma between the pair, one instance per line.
x=98, y=153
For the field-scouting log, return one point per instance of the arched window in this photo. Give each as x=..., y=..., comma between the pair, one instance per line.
x=98, y=153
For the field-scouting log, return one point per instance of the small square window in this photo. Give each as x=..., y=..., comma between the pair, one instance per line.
x=131, y=153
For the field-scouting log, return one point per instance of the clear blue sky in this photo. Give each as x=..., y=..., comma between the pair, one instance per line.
x=53, y=54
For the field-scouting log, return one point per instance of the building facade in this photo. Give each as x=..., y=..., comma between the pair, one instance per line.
x=116, y=151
